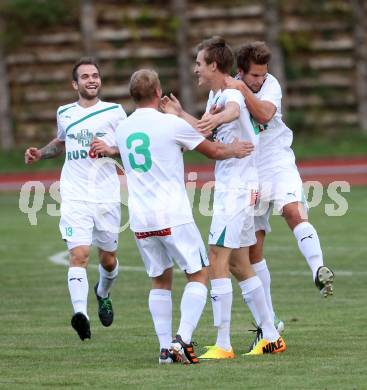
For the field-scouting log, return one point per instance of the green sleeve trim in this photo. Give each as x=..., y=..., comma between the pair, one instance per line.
x=65, y=109
x=89, y=116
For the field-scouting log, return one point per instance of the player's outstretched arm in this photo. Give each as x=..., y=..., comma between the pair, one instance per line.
x=262, y=110
x=219, y=151
x=171, y=105
x=100, y=147
x=53, y=149
x=210, y=121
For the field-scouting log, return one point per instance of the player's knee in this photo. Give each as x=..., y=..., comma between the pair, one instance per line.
x=255, y=253
x=241, y=271
x=214, y=253
x=164, y=281
x=235, y=270
x=201, y=276
x=295, y=214
x=161, y=284
x=108, y=260
x=79, y=260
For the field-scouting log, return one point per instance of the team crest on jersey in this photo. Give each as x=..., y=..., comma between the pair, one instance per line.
x=85, y=137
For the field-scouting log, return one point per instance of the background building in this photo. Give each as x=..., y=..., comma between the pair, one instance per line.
x=319, y=55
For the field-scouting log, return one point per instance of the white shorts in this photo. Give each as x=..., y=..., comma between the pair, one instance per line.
x=278, y=187
x=181, y=244
x=87, y=223
x=233, y=219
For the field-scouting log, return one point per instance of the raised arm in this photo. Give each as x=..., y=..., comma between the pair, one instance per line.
x=53, y=149
x=262, y=110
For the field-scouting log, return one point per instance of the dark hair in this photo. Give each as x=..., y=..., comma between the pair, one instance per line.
x=143, y=84
x=83, y=61
x=255, y=52
x=217, y=50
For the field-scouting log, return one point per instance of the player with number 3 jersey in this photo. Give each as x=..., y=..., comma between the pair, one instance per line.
x=151, y=145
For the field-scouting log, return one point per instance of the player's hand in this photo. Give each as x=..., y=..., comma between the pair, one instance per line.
x=207, y=124
x=242, y=148
x=232, y=83
x=215, y=109
x=100, y=148
x=171, y=105
x=32, y=155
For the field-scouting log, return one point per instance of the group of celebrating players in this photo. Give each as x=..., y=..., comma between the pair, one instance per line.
x=255, y=172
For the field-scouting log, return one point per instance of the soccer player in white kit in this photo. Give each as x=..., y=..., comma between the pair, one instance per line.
x=232, y=229
x=151, y=145
x=280, y=182
x=90, y=190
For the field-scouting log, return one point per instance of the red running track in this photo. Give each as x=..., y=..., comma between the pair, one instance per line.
x=353, y=170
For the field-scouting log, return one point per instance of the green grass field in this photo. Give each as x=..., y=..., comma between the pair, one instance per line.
x=39, y=349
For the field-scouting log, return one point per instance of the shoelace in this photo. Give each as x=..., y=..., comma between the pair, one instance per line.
x=259, y=335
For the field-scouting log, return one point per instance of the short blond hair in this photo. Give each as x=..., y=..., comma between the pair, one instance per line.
x=143, y=84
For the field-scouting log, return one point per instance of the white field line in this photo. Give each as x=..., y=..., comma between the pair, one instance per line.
x=62, y=258
x=307, y=171
x=330, y=170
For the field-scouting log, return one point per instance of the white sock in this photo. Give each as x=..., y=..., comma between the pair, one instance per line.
x=262, y=271
x=160, y=306
x=309, y=245
x=221, y=297
x=253, y=295
x=192, y=306
x=78, y=288
x=106, y=280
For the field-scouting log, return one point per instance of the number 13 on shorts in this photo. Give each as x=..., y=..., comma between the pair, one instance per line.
x=69, y=231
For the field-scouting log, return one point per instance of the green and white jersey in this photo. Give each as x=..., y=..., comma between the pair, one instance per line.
x=84, y=175
x=234, y=173
x=275, y=137
x=151, y=145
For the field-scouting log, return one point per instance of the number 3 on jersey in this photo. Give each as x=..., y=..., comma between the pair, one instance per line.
x=142, y=148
